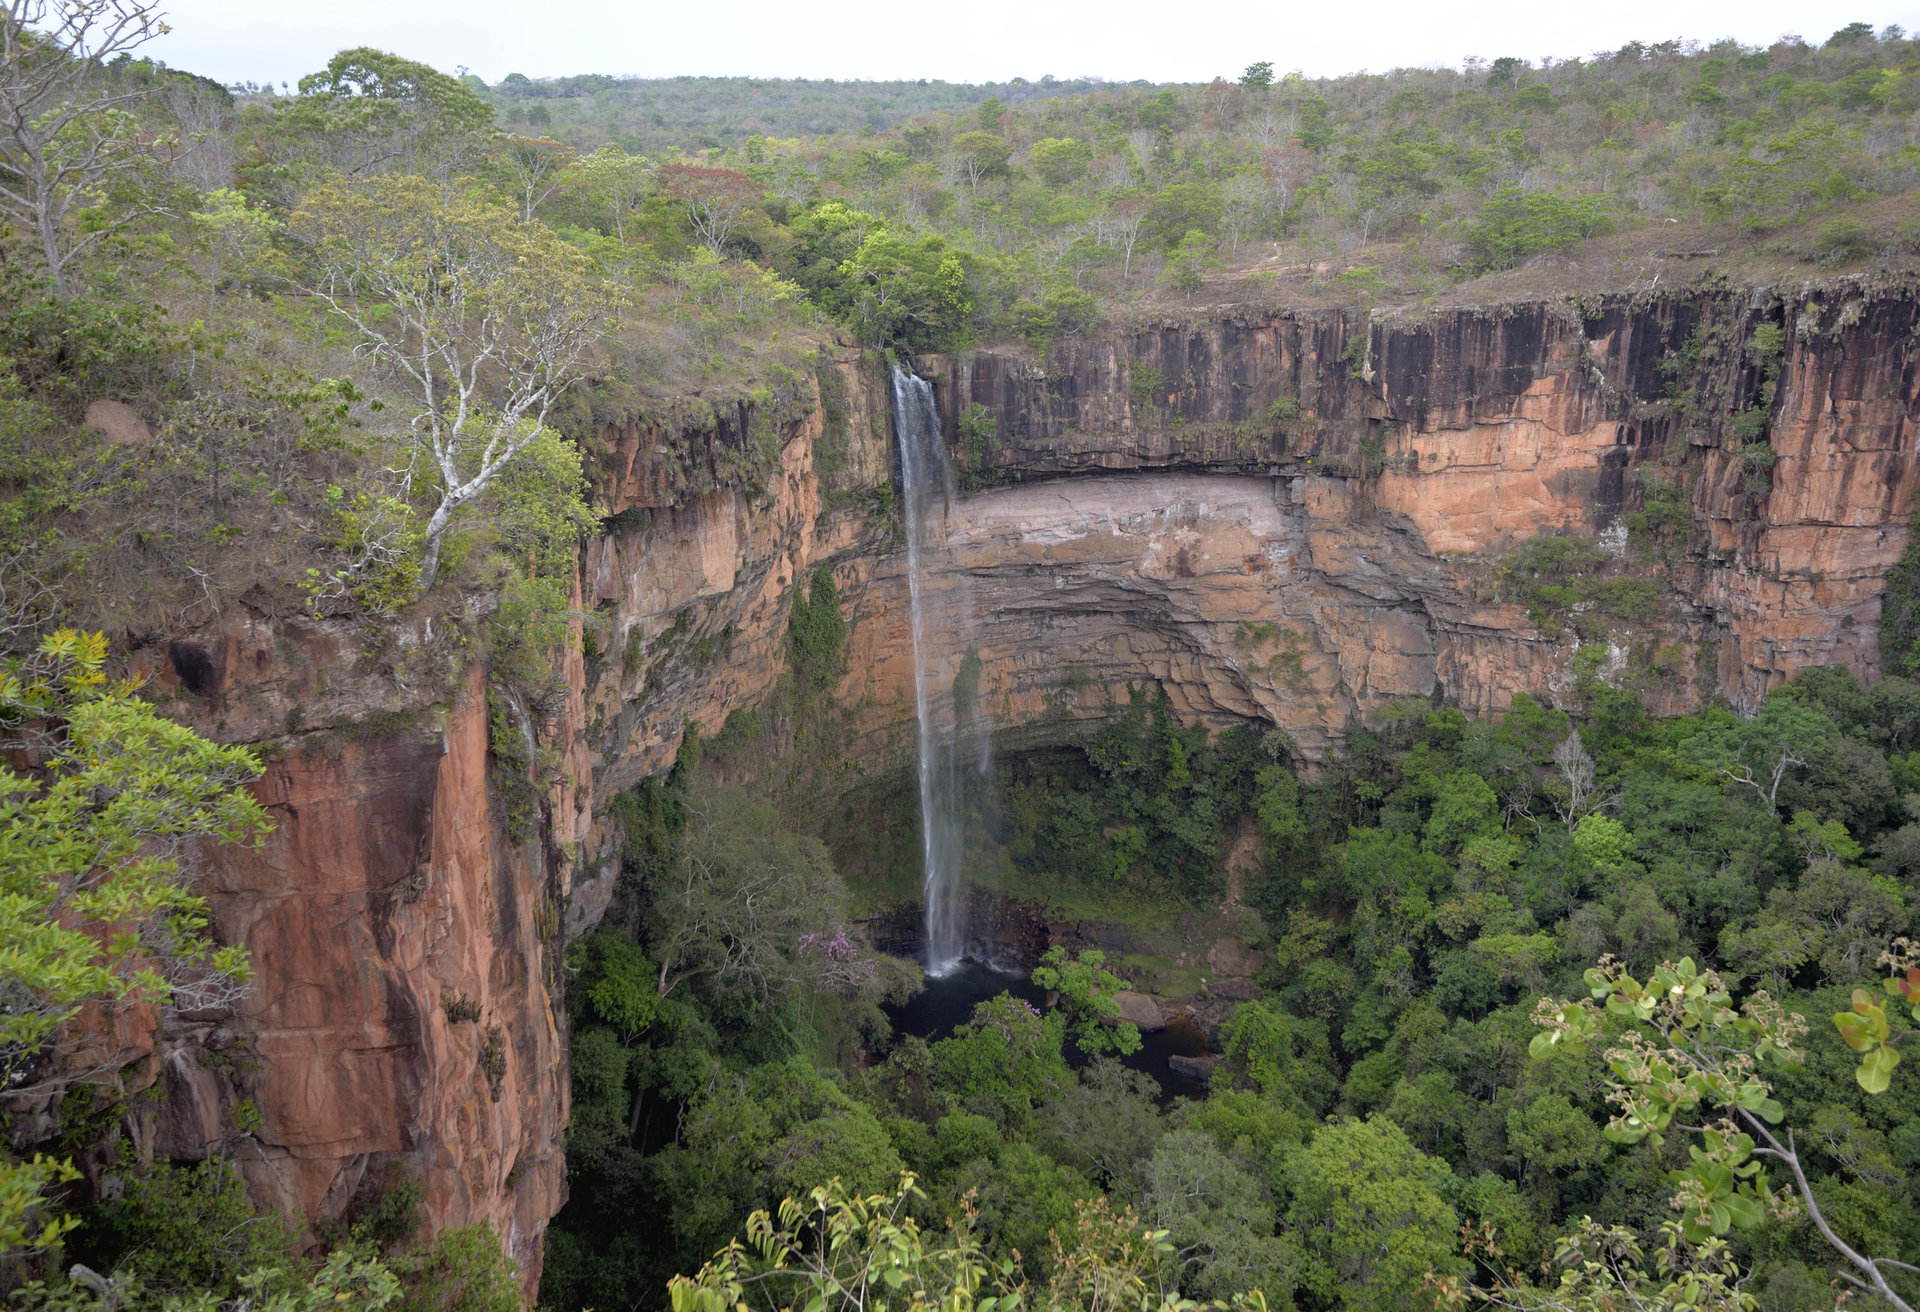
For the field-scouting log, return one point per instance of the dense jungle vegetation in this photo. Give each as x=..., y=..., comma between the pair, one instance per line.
x=367, y=333
x=1400, y=1085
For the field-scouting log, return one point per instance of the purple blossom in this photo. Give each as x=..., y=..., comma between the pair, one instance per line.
x=843, y=965
x=838, y=948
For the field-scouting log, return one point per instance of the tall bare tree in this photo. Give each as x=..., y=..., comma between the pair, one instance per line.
x=1122, y=225
x=531, y=167
x=1288, y=167
x=716, y=200
x=1577, y=796
x=487, y=319
x=68, y=135
x=743, y=896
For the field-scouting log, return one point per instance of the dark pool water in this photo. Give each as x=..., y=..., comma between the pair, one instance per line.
x=950, y=999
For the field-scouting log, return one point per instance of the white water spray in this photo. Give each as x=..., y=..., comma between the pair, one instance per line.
x=927, y=483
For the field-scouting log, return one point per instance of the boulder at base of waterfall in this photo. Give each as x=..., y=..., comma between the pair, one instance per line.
x=1199, y=1068
x=1142, y=1010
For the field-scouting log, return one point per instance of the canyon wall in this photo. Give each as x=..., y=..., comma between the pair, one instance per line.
x=405, y=949
x=1277, y=517
x=1418, y=448
x=1296, y=517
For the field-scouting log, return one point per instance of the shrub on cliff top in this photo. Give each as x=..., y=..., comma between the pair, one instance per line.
x=468, y=293
x=1515, y=225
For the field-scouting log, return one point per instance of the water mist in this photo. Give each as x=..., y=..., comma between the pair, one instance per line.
x=944, y=660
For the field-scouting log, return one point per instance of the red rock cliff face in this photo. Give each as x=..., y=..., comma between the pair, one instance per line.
x=1293, y=518
x=404, y=1007
x=1283, y=518
x=1414, y=450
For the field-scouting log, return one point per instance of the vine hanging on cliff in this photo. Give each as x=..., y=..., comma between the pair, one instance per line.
x=1900, y=609
x=817, y=635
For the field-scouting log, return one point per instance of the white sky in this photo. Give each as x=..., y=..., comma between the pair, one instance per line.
x=957, y=40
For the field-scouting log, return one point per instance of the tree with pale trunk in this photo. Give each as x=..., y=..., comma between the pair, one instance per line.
x=617, y=182
x=1268, y=128
x=716, y=200
x=980, y=156
x=1221, y=97
x=1287, y=168
x=74, y=163
x=1248, y=208
x=1759, y=753
x=1577, y=793
x=744, y=902
x=485, y=318
x=1123, y=223
x=531, y=167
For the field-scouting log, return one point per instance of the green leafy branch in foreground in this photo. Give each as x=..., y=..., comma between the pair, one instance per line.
x=1679, y=1048
x=24, y=1228
x=836, y=1251
x=1604, y=1268
x=349, y=1278
x=95, y=908
x=1866, y=1029
x=93, y=901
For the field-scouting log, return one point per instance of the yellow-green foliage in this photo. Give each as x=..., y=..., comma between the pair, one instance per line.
x=536, y=510
x=835, y=1248
x=378, y=538
x=94, y=903
x=485, y=317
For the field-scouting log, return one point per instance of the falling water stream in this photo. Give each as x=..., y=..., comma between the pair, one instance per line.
x=954, y=742
x=940, y=625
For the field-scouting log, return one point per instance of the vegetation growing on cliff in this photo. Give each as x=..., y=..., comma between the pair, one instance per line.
x=105, y=810
x=1415, y=900
x=98, y=916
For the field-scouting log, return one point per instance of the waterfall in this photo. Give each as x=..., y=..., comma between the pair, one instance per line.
x=941, y=628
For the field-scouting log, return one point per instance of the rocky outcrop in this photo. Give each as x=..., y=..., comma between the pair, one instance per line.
x=403, y=1013
x=1292, y=518
x=1414, y=449
x=1277, y=518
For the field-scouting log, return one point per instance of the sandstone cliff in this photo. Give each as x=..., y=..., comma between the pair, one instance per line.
x=405, y=952
x=1294, y=517
x=1286, y=517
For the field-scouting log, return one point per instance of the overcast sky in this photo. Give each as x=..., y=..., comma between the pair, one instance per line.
x=974, y=41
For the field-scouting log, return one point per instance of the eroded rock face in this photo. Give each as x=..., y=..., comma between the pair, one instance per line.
x=1421, y=449
x=1204, y=585
x=404, y=1011
x=1278, y=519
x=1293, y=518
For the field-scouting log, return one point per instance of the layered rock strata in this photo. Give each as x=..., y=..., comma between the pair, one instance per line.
x=405, y=950
x=1277, y=518
x=1295, y=517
